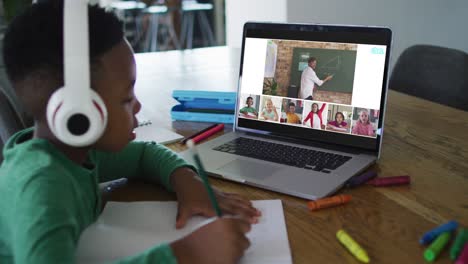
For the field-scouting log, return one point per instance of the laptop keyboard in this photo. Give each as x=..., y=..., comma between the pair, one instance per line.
x=284, y=154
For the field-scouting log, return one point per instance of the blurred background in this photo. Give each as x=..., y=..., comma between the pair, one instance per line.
x=157, y=25
x=430, y=37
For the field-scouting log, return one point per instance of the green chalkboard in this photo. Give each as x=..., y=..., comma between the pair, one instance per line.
x=339, y=63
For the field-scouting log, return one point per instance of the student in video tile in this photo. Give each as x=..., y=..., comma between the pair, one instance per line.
x=315, y=116
x=249, y=111
x=363, y=126
x=269, y=112
x=291, y=116
x=309, y=79
x=338, y=124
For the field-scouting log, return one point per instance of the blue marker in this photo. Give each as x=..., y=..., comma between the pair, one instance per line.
x=115, y=184
x=431, y=235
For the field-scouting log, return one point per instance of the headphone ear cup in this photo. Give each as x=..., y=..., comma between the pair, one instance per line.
x=53, y=106
x=76, y=124
x=101, y=111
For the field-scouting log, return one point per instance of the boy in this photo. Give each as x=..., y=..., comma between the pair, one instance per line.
x=291, y=116
x=249, y=111
x=50, y=190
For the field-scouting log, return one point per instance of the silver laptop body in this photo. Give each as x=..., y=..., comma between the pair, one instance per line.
x=352, y=91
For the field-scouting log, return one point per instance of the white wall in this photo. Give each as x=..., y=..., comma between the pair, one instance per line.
x=436, y=22
x=240, y=11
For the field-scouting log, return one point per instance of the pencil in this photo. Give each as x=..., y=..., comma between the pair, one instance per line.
x=198, y=133
x=202, y=174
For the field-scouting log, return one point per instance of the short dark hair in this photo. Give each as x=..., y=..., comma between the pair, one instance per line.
x=311, y=59
x=34, y=39
x=292, y=104
x=33, y=48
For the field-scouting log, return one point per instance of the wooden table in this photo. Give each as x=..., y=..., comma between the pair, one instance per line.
x=425, y=140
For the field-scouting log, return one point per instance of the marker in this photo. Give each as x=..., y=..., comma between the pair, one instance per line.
x=390, y=181
x=201, y=172
x=198, y=133
x=352, y=246
x=460, y=240
x=115, y=184
x=463, y=258
x=358, y=180
x=431, y=253
x=208, y=133
x=432, y=234
x=329, y=202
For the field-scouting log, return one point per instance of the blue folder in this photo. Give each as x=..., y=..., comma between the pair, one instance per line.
x=204, y=106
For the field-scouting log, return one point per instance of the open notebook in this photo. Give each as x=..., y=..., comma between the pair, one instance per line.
x=125, y=229
x=147, y=131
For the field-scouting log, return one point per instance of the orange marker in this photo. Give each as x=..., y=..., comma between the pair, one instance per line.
x=329, y=202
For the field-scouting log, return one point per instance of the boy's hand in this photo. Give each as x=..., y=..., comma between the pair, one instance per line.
x=194, y=200
x=222, y=241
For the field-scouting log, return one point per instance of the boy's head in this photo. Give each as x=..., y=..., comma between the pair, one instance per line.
x=292, y=107
x=249, y=101
x=33, y=54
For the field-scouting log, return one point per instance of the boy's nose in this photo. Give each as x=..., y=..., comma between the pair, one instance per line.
x=137, y=107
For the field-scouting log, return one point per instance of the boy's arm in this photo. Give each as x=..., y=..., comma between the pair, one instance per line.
x=161, y=254
x=47, y=220
x=144, y=160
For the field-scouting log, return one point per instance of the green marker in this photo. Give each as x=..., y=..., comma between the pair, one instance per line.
x=202, y=174
x=457, y=246
x=431, y=253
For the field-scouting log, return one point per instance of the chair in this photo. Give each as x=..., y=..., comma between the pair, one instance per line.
x=157, y=13
x=434, y=73
x=190, y=9
x=293, y=91
x=10, y=121
x=131, y=13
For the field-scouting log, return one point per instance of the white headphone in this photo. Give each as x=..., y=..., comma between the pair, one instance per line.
x=76, y=114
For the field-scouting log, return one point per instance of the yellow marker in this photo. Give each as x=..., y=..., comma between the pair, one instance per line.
x=352, y=246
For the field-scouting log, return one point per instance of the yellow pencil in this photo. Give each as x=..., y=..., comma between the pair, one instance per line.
x=352, y=246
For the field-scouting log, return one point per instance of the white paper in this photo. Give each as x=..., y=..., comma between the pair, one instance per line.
x=126, y=229
x=151, y=132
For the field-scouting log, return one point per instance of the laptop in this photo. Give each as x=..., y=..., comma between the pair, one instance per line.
x=310, y=108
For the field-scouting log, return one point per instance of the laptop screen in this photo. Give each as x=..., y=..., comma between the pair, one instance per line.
x=314, y=82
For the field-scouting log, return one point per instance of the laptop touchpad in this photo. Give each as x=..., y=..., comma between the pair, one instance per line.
x=248, y=169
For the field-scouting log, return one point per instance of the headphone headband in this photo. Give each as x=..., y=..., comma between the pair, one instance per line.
x=75, y=113
x=76, y=48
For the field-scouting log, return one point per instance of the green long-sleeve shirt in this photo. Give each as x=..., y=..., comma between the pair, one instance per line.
x=46, y=200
